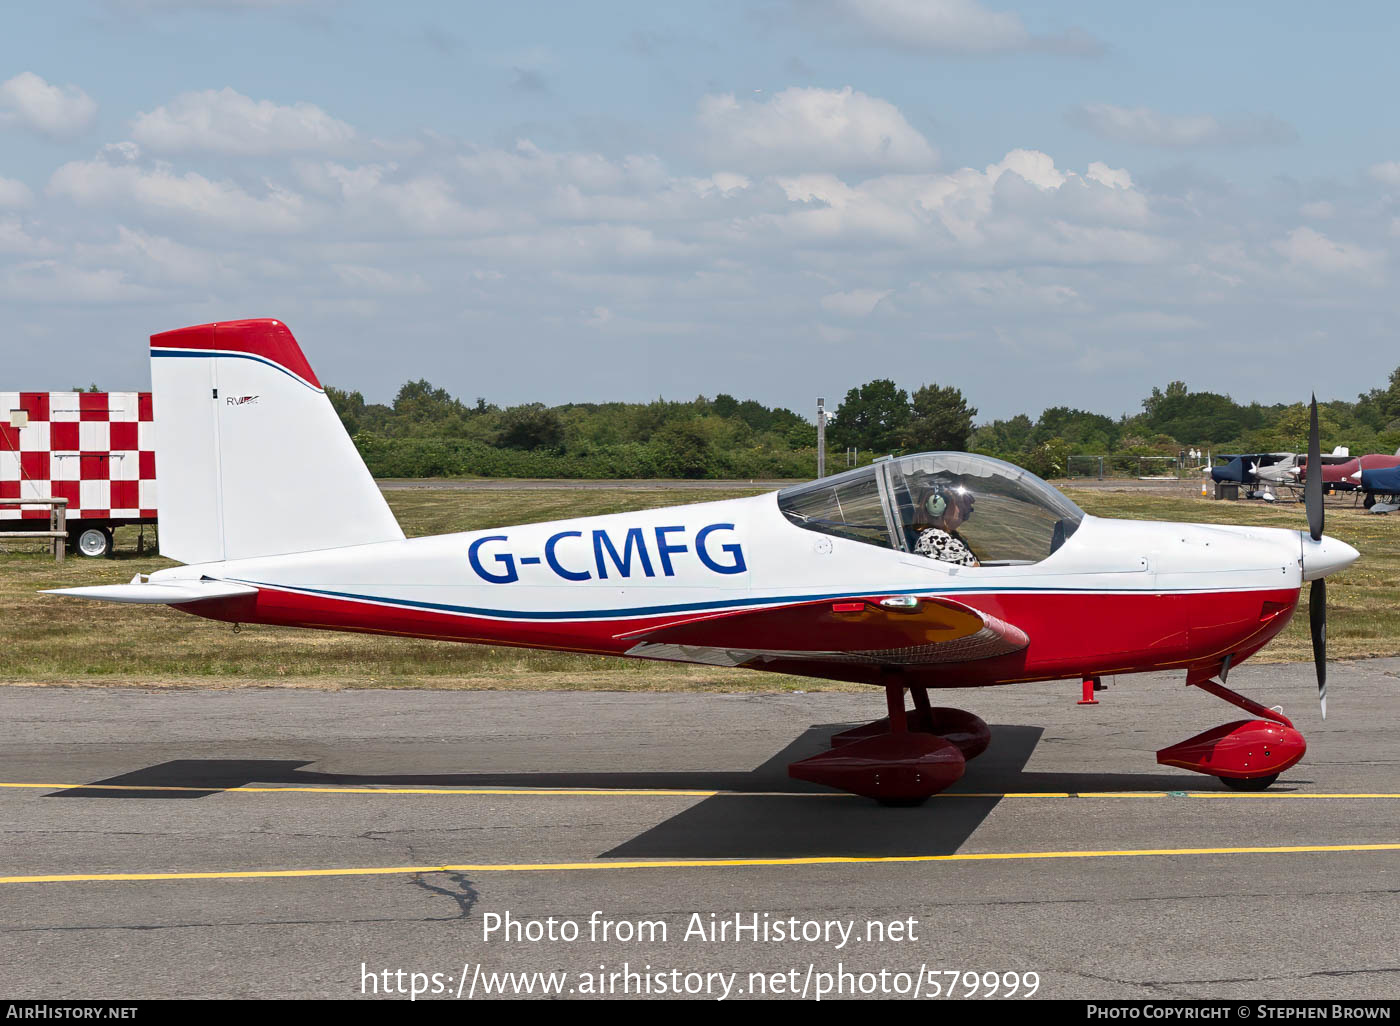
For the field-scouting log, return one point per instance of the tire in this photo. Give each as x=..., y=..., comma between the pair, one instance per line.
x=1250, y=784
x=93, y=542
x=902, y=803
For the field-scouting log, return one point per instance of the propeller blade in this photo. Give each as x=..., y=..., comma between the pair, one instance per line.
x=1312, y=486
x=1317, y=622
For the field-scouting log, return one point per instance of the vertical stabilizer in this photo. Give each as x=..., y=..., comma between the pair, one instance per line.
x=250, y=456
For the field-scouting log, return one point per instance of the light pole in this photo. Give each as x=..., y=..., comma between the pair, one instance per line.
x=821, y=437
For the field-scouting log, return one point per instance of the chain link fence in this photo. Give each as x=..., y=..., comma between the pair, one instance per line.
x=1142, y=468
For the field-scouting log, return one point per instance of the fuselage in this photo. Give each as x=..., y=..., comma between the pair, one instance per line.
x=1115, y=597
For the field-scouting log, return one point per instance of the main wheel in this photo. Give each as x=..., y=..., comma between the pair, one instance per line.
x=92, y=542
x=1249, y=784
x=902, y=803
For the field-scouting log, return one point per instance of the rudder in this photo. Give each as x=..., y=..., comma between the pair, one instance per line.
x=251, y=458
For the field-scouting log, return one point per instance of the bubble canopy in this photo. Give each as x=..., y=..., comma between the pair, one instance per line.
x=1013, y=517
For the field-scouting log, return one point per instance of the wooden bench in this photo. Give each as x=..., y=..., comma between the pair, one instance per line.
x=57, y=534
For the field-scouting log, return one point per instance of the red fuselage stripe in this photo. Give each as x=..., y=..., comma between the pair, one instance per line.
x=1075, y=633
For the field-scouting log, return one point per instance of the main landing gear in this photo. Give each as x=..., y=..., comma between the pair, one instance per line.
x=1247, y=755
x=903, y=758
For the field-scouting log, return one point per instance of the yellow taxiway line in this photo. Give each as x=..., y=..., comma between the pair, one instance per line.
x=819, y=860
x=599, y=792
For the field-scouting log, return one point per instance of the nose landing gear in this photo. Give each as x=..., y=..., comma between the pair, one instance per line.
x=1246, y=755
x=903, y=758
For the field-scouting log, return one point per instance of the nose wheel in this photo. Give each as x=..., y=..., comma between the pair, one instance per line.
x=1249, y=783
x=1246, y=755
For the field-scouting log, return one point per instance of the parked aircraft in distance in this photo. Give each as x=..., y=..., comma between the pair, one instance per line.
x=1382, y=488
x=1346, y=476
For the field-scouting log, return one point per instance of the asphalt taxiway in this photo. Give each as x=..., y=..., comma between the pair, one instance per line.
x=279, y=842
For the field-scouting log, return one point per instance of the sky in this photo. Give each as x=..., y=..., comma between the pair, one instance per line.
x=1043, y=204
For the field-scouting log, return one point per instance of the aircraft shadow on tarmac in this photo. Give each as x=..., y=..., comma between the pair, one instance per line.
x=749, y=822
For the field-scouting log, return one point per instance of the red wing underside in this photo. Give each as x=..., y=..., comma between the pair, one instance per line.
x=857, y=630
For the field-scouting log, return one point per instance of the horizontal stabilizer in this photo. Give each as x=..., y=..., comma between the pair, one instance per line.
x=170, y=593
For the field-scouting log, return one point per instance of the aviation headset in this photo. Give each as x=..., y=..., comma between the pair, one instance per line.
x=938, y=497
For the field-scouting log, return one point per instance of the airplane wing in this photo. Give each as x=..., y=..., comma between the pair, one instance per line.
x=173, y=593
x=897, y=630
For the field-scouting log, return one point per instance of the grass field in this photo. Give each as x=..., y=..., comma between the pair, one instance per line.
x=46, y=640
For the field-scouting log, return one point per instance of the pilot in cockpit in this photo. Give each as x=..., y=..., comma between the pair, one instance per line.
x=941, y=509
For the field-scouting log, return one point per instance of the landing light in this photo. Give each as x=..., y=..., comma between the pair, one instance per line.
x=901, y=603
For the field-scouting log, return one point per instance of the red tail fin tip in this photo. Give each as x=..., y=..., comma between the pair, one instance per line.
x=264, y=338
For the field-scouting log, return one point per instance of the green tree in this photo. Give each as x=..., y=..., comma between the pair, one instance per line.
x=1048, y=459
x=1192, y=417
x=683, y=450
x=420, y=407
x=1380, y=407
x=939, y=418
x=873, y=416
x=1084, y=431
x=725, y=405
x=348, y=406
x=533, y=426
x=1003, y=437
x=1289, y=432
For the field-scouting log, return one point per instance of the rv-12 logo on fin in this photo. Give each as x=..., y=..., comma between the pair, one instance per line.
x=242, y=400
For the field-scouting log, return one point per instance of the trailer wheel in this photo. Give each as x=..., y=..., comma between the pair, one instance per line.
x=92, y=542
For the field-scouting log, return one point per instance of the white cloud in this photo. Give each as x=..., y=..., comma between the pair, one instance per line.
x=56, y=112
x=362, y=278
x=641, y=248
x=225, y=121
x=1011, y=271
x=53, y=281
x=949, y=26
x=1149, y=322
x=16, y=240
x=151, y=258
x=1118, y=178
x=999, y=290
x=138, y=7
x=1309, y=249
x=1387, y=173
x=1148, y=127
x=1022, y=208
x=527, y=166
x=377, y=198
x=813, y=129
x=14, y=193
x=952, y=27
x=189, y=197
x=856, y=303
x=726, y=183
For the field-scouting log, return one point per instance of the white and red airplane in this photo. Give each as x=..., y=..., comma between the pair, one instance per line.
x=823, y=579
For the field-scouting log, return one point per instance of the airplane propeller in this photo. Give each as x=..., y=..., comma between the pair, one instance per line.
x=1317, y=597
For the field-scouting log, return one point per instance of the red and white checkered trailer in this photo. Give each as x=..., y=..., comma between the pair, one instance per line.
x=95, y=449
